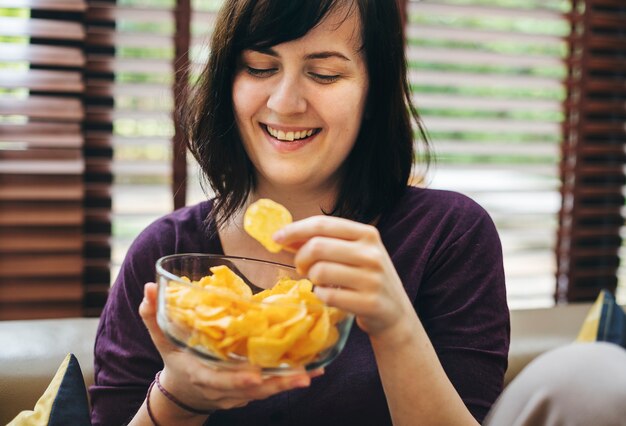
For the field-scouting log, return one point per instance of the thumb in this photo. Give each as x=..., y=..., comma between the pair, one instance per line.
x=148, y=313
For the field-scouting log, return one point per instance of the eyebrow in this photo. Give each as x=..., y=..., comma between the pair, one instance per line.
x=317, y=55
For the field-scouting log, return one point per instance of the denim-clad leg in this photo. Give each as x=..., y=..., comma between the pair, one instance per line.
x=579, y=384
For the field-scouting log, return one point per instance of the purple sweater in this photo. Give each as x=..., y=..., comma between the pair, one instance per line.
x=447, y=253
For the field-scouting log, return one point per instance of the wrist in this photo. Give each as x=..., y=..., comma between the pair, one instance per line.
x=163, y=384
x=164, y=408
x=399, y=335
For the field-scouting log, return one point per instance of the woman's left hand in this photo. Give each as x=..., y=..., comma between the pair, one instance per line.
x=351, y=269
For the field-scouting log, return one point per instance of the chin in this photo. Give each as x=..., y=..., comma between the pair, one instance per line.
x=289, y=179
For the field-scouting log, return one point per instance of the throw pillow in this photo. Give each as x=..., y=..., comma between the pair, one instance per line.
x=605, y=322
x=63, y=403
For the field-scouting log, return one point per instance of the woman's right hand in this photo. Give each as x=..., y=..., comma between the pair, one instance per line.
x=202, y=387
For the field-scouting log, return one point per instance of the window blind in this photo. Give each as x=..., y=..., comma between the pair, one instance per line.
x=41, y=159
x=592, y=213
x=98, y=153
x=488, y=79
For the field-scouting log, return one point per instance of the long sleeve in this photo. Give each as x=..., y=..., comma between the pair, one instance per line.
x=448, y=254
x=125, y=358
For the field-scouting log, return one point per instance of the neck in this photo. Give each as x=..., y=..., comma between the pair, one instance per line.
x=300, y=202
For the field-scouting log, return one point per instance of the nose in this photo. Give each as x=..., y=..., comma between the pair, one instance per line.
x=286, y=97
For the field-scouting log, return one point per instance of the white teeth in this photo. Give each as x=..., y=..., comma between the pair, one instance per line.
x=289, y=136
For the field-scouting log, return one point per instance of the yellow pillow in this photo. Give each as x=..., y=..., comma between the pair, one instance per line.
x=63, y=403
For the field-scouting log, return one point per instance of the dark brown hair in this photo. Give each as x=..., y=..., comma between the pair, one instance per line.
x=376, y=171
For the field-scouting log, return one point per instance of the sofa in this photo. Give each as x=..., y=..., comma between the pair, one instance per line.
x=32, y=350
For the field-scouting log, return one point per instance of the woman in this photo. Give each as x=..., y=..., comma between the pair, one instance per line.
x=307, y=103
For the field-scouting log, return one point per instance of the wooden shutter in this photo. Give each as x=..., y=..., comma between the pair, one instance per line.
x=488, y=80
x=41, y=159
x=182, y=45
x=592, y=169
x=98, y=152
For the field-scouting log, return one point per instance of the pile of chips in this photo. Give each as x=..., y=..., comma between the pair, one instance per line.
x=284, y=325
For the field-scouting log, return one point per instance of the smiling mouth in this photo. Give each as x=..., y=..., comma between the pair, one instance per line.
x=290, y=136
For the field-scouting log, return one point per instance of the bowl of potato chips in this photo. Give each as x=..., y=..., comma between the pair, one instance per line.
x=235, y=312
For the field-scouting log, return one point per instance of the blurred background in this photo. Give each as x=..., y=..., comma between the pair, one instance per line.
x=524, y=101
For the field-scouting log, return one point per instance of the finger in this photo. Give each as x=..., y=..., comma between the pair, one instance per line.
x=338, y=275
x=242, y=386
x=277, y=384
x=316, y=373
x=293, y=247
x=348, y=300
x=363, y=255
x=228, y=383
x=148, y=311
x=224, y=380
x=230, y=403
x=267, y=387
x=327, y=226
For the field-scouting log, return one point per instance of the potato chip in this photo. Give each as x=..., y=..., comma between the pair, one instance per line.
x=207, y=312
x=268, y=351
x=314, y=341
x=285, y=324
x=249, y=324
x=225, y=278
x=262, y=219
x=285, y=313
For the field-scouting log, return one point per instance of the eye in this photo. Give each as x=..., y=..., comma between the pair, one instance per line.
x=260, y=72
x=323, y=78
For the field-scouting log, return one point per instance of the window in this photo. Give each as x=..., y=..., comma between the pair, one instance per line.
x=518, y=97
x=488, y=80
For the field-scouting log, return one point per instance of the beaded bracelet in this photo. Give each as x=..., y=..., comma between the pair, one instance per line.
x=176, y=401
x=150, y=414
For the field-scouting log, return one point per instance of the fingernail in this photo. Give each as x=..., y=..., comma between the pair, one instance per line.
x=317, y=373
x=300, y=383
x=278, y=236
x=321, y=292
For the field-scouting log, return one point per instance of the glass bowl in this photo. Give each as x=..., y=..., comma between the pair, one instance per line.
x=280, y=334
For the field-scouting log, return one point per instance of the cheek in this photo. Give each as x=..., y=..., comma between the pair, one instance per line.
x=238, y=98
x=243, y=99
x=347, y=110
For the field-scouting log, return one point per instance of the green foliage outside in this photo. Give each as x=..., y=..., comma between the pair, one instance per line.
x=481, y=79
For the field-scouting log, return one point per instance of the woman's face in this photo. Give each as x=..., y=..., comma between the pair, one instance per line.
x=299, y=105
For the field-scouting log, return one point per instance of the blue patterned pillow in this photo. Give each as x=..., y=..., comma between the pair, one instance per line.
x=63, y=403
x=605, y=322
